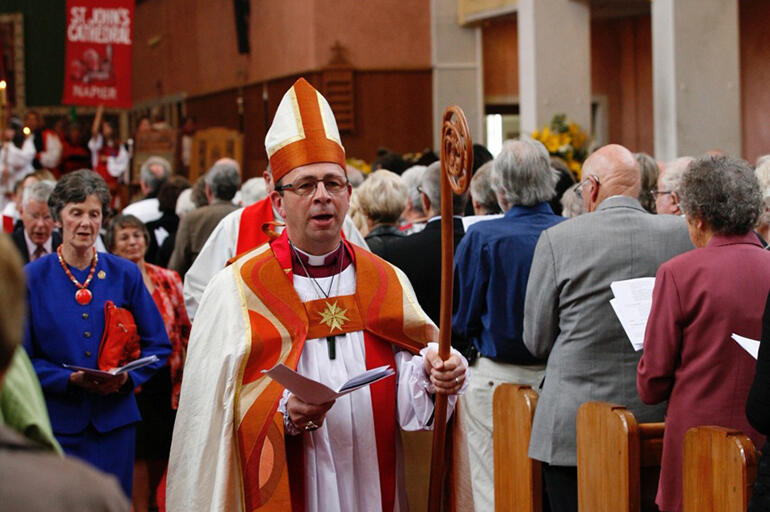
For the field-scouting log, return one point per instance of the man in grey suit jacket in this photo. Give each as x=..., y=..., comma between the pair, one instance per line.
x=568, y=317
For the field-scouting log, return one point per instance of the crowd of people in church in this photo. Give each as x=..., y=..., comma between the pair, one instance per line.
x=333, y=271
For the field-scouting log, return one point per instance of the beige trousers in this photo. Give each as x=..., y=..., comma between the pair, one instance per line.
x=476, y=405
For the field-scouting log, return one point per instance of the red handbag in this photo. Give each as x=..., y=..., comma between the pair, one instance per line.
x=120, y=340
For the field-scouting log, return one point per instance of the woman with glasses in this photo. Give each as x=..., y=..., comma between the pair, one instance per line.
x=158, y=398
x=700, y=299
x=668, y=194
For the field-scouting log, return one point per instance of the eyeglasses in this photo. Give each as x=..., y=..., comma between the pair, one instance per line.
x=656, y=193
x=308, y=186
x=587, y=179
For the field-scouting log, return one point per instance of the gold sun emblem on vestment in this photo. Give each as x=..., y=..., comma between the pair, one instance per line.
x=334, y=316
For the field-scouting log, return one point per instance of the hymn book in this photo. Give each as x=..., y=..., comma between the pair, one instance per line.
x=133, y=365
x=313, y=392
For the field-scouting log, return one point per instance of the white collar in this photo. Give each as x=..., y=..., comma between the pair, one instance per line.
x=313, y=259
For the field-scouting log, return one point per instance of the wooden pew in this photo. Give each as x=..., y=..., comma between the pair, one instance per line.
x=719, y=468
x=518, y=480
x=617, y=457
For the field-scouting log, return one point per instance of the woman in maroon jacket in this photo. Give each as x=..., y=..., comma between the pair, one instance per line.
x=700, y=299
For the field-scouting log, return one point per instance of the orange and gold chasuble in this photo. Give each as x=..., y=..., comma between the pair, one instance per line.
x=278, y=325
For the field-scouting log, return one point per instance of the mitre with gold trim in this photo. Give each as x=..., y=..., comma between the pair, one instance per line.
x=303, y=132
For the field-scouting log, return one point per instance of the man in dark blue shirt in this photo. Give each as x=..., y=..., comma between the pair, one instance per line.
x=492, y=266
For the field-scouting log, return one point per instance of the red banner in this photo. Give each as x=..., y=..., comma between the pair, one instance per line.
x=98, y=53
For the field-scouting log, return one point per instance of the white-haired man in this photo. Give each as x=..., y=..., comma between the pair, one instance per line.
x=492, y=266
x=327, y=308
x=38, y=237
x=667, y=194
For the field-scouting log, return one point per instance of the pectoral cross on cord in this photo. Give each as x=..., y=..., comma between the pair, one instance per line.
x=330, y=340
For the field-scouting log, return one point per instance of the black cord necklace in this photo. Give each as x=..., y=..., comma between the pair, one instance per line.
x=330, y=340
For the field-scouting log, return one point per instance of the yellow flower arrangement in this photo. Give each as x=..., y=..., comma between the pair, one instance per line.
x=564, y=139
x=359, y=164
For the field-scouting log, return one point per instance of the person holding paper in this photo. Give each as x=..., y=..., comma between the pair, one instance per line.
x=328, y=309
x=700, y=299
x=568, y=317
x=92, y=417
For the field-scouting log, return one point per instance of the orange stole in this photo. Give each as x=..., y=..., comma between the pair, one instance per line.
x=278, y=333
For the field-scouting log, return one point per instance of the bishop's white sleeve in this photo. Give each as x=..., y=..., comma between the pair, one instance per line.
x=203, y=466
x=218, y=249
x=415, y=392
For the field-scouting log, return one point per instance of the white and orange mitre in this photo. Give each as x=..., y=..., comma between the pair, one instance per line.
x=303, y=132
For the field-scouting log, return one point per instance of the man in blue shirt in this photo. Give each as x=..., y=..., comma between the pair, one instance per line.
x=492, y=266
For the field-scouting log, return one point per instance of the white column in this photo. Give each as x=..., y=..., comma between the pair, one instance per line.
x=554, y=62
x=696, y=77
x=457, y=70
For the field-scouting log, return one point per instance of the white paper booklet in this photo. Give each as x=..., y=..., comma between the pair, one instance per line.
x=749, y=345
x=133, y=365
x=313, y=392
x=632, y=304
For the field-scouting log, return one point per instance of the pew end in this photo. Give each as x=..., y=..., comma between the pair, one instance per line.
x=518, y=479
x=614, y=453
x=719, y=469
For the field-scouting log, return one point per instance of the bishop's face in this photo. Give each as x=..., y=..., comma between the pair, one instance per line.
x=314, y=206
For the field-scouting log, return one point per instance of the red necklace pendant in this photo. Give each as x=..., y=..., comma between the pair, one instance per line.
x=83, y=296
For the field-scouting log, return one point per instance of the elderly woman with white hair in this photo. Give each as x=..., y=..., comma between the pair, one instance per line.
x=381, y=199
